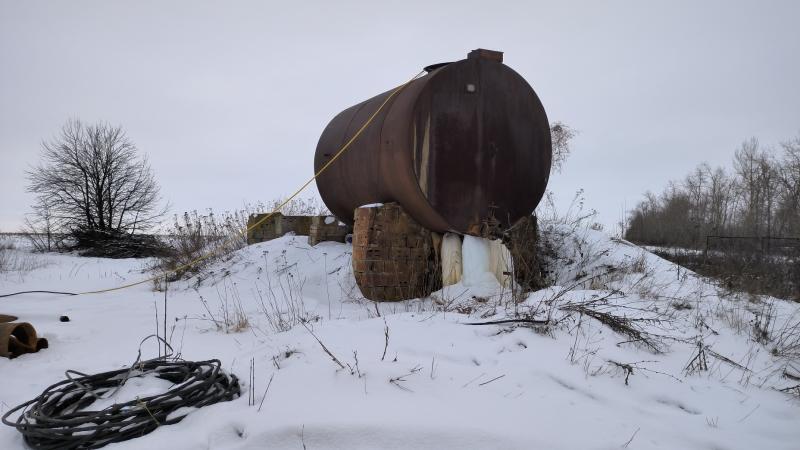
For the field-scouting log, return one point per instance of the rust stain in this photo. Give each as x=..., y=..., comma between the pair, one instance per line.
x=426, y=155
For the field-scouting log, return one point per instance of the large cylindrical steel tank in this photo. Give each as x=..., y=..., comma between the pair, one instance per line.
x=466, y=145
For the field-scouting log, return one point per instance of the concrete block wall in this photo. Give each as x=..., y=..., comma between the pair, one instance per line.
x=276, y=226
x=327, y=228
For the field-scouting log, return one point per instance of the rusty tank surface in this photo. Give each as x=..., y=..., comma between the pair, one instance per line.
x=463, y=148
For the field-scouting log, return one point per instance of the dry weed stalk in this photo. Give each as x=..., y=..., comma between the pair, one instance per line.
x=282, y=302
x=403, y=378
x=324, y=348
x=385, y=337
x=231, y=316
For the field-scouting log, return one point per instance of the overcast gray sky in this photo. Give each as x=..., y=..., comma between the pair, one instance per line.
x=228, y=99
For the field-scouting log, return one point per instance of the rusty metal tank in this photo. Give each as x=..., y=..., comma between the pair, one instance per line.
x=464, y=146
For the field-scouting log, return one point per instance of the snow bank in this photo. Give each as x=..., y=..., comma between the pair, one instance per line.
x=435, y=382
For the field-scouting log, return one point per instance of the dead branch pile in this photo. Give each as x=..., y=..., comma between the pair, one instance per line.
x=115, y=244
x=626, y=326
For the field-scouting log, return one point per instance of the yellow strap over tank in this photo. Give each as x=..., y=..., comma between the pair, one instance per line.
x=277, y=209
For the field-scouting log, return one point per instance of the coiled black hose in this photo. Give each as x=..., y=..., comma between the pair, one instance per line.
x=58, y=419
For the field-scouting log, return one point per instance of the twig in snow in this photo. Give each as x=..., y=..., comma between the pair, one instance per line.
x=334, y=358
x=327, y=290
x=354, y=368
x=385, y=338
x=497, y=322
x=726, y=359
x=470, y=381
x=166, y=288
x=631, y=439
x=637, y=366
x=628, y=372
x=251, y=390
x=265, y=392
x=748, y=414
x=402, y=378
x=493, y=379
x=155, y=307
x=699, y=362
x=791, y=390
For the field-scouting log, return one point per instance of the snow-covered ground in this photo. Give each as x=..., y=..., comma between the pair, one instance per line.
x=637, y=353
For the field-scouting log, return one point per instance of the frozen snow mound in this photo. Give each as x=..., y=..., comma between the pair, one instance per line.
x=624, y=349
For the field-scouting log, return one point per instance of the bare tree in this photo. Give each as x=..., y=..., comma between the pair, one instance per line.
x=93, y=181
x=789, y=178
x=39, y=226
x=751, y=166
x=720, y=200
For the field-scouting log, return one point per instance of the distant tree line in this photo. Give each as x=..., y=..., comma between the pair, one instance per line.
x=758, y=197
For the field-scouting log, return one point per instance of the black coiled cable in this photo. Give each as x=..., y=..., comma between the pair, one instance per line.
x=58, y=419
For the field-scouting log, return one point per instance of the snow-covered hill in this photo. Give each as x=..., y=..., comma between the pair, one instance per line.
x=625, y=350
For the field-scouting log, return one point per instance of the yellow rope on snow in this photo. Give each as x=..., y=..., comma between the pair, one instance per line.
x=276, y=210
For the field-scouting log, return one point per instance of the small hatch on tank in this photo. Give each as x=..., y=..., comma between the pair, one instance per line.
x=433, y=67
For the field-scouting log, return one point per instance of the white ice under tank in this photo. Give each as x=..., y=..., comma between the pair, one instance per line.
x=451, y=259
x=477, y=262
